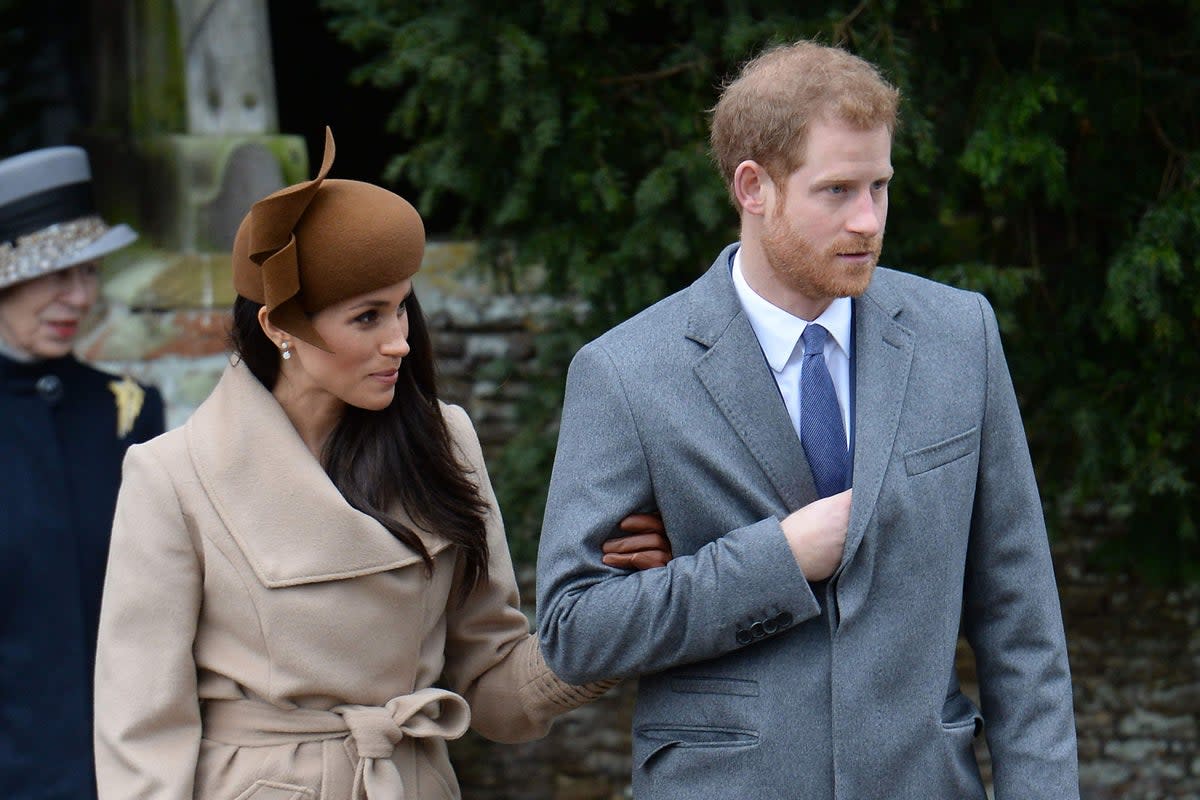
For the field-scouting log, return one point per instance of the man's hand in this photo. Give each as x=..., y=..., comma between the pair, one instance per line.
x=645, y=548
x=817, y=534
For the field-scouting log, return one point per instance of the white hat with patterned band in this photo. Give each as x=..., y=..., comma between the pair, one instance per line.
x=47, y=218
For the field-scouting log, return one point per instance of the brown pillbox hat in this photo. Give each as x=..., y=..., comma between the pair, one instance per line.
x=317, y=243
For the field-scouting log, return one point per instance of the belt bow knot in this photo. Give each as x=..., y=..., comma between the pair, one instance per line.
x=377, y=730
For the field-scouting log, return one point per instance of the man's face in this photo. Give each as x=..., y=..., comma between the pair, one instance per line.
x=823, y=236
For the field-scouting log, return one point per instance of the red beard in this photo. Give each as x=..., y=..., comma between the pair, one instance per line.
x=817, y=274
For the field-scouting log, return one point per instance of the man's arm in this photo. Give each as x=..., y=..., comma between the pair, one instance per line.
x=596, y=621
x=1011, y=613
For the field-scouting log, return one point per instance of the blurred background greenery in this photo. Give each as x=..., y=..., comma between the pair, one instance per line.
x=1049, y=156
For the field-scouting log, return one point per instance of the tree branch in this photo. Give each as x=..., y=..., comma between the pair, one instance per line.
x=657, y=75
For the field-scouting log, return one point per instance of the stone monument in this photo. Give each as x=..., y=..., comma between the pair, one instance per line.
x=186, y=88
x=184, y=138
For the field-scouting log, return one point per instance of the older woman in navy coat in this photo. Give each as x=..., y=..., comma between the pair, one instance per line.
x=64, y=428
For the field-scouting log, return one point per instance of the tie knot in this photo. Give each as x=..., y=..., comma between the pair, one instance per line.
x=814, y=340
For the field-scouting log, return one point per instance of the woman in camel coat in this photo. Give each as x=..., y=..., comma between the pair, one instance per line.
x=309, y=588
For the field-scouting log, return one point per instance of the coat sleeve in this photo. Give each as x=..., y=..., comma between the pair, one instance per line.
x=1011, y=609
x=598, y=621
x=491, y=657
x=147, y=709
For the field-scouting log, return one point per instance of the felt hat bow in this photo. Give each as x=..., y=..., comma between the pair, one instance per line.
x=317, y=243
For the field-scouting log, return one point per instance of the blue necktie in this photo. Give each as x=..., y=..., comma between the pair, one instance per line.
x=821, y=430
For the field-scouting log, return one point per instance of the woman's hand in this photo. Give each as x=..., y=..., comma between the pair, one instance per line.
x=646, y=546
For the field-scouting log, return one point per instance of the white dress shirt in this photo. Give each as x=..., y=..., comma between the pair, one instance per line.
x=779, y=334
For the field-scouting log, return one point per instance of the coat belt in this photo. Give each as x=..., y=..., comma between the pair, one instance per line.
x=374, y=730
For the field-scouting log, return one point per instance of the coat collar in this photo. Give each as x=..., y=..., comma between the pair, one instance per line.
x=21, y=376
x=287, y=517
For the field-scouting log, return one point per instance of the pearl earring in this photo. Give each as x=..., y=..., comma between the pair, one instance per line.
x=286, y=348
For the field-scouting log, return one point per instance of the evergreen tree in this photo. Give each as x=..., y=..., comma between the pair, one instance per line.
x=1049, y=156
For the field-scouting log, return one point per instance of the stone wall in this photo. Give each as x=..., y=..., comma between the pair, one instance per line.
x=1135, y=649
x=1135, y=654
x=1135, y=658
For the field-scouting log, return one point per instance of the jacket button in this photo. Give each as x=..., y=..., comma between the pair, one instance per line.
x=757, y=631
x=50, y=387
x=771, y=625
x=783, y=620
x=744, y=637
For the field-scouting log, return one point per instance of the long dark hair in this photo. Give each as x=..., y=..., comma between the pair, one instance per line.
x=402, y=454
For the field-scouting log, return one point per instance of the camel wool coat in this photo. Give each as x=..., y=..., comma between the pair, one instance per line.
x=260, y=639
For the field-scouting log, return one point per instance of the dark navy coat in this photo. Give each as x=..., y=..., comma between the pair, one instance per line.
x=60, y=466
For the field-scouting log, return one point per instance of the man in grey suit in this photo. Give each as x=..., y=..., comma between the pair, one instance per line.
x=802, y=642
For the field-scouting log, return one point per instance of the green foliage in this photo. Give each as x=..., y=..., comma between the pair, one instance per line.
x=1152, y=311
x=1048, y=156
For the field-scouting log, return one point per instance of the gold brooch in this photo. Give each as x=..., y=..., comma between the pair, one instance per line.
x=130, y=397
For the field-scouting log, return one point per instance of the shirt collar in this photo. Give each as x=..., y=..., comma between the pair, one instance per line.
x=779, y=331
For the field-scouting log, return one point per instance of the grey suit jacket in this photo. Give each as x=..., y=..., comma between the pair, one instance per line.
x=755, y=683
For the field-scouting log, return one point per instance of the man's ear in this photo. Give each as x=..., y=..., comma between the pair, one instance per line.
x=752, y=187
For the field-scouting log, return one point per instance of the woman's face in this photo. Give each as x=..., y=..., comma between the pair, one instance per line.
x=41, y=316
x=368, y=335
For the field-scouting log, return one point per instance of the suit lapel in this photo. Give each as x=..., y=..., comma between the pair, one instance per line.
x=882, y=361
x=736, y=375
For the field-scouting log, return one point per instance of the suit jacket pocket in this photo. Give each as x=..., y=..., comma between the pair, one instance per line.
x=961, y=716
x=940, y=454
x=961, y=725
x=651, y=740
x=698, y=684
